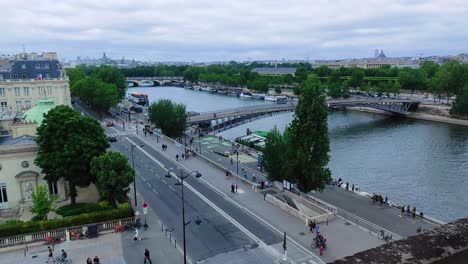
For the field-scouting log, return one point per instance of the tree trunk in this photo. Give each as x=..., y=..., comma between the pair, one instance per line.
x=73, y=194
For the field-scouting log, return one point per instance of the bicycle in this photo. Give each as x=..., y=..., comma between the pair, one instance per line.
x=59, y=260
x=383, y=236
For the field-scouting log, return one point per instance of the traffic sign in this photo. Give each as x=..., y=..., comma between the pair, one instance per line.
x=145, y=208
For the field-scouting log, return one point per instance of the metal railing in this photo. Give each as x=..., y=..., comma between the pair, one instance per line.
x=61, y=232
x=365, y=224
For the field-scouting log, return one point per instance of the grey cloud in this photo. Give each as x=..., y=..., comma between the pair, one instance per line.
x=216, y=30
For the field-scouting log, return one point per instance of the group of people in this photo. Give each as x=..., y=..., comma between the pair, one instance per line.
x=320, y=242
x=409, y=211
x=377, y=198
x=354, y=187
x=93, y=261
x=164, y=147
x=184, y=156
x=63, y=257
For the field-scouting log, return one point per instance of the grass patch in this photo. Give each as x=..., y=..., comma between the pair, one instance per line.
x=80, y=208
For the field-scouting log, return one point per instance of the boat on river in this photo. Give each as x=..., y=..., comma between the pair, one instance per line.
x=258, y=96
x=245, y=95
x=205, y=89
x=270, y=98
x=222, y=92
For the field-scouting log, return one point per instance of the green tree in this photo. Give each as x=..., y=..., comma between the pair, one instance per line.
x=67, y=142
x=334, y=90
x=301, y=74
x=460, y=106
x=112, y=75
x=323, y=71
x=113, y=175
x=74, y=75
x=105, y=96
x=258, y=85
x=274, y=154
x=309, y=141
x=357, y=78
x=169, y=116
x=42, y=203
x=288, y=78
x=430, y=68
x=413, y=79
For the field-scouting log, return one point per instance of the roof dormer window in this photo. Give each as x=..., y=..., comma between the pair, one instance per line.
x=38, y=66
x=23, y=66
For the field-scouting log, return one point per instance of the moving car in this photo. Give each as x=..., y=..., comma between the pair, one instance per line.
x=110, y=124
x=112, y=139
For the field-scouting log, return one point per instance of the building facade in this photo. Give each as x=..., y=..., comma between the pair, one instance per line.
x=24, y=82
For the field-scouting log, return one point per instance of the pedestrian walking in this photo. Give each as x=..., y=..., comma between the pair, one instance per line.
x=177, y=157
x=183, y=156
x=386, y=200
x=352, y=187
x=51, y=255
x=232, y=188
x=96, y=260
x=321, y=249
x=232, y=161
x=147, y=256
x=227, y=173
x=347, y=186
x=414, y=211
x=408, y=209
x=402, y=210
x=89, y=261
x=135, y=237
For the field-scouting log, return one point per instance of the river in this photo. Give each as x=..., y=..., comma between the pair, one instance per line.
x=420, y=163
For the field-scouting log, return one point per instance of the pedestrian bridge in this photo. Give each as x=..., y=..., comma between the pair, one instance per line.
x=225, y=119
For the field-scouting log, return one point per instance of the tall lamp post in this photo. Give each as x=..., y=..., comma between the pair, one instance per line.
x=181, y=182
x=237, y=152
x=134, y=180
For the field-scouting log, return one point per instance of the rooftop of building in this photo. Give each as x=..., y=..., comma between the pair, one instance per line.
x=36, y=114
x=447, y=244
x=274, y=70
x=8, y=140
x=31, y=69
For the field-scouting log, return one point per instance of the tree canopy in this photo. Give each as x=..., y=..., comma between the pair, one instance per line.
x=169, y=116
x=42, y=203
x=305, y=144
x=68, y=141
x=113, y=175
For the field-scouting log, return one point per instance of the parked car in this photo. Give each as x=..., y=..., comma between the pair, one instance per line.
x=110, y=124
x=112, y=139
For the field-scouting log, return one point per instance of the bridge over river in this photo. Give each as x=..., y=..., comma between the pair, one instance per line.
x=232, y=117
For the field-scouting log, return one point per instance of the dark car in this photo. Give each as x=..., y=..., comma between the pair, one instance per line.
x=112, y=139
x=110, y=124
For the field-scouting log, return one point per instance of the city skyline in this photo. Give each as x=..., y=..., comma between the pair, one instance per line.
x=241, y=30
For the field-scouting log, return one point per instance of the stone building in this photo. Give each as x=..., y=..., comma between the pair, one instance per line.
x=24, y=82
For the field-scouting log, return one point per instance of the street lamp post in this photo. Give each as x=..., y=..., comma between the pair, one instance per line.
x=134, y=179
x=237, y=152
x=199, y=140
x=184, y=224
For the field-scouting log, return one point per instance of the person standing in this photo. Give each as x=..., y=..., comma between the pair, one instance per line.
x=232, y=188
x=89, y=261
x=96, y=260
x=352, y=187
x=51, y=255
x=347, y=186
x=147, y=256
x=177, y=157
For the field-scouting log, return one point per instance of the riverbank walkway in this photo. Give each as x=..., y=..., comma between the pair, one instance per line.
x=353, y=206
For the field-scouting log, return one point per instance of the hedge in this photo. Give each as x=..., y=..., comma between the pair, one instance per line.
x=31, y=227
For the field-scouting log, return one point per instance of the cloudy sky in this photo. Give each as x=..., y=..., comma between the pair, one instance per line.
x=207, y=30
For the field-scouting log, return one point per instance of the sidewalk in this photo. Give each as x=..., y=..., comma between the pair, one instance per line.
x=162, y=250
x=338, y=233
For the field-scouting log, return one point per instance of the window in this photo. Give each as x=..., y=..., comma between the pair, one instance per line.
x=18, y=106
x=15, y=76
x=3, y=194
x=1, y=76
x=4, y=106
x=46, y=66
x=24, y=76
x=2, y=92
x=38, y=66
x=27, y=104
x=49, y=89
x=17, y=91
x=53, y=187
x=26, y=91
x=23, y=66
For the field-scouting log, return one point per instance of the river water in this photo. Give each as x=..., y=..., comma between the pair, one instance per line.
x=420, y=163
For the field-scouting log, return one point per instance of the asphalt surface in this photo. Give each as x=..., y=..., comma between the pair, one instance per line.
x=216, y=234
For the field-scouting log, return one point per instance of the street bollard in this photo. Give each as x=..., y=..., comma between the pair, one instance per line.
x=170, y=237
x=175, y=243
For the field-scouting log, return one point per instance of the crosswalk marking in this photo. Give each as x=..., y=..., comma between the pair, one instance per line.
x=119, y=134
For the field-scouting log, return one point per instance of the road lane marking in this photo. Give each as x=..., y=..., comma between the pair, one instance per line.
x=149, y=185
x=252, y=236
x=304, y=249
x=155, y=192
x=170, y=187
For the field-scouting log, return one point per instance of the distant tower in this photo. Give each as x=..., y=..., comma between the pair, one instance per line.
x=104, y=55
x=376, y=53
